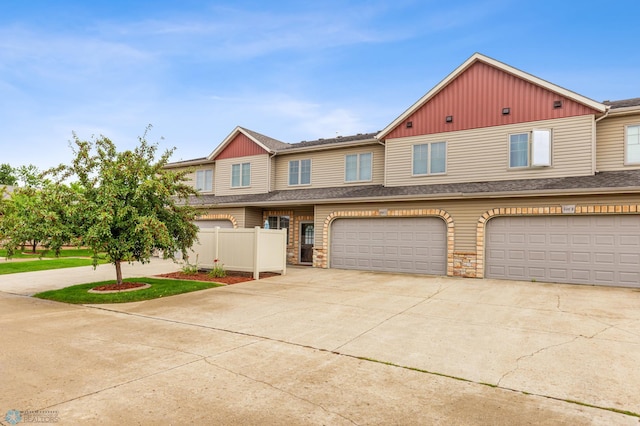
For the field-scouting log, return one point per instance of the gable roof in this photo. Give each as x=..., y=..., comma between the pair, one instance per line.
x=477, y=57
x=265, y=142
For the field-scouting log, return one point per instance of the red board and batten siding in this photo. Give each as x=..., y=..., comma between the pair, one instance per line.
x=476, y=98
x=240, y=146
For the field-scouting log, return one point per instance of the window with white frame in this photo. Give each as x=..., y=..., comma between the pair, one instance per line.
x=357, y=167
x=240, y=175
x=430, y=158
x=204, y=180
x=632, y=145
x=299, y=172
x=530, y=149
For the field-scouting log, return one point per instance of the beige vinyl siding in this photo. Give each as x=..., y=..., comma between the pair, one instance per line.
x=478, y=155
x=327, y=167
x=259, y=175
x=253, y=218
x=610, y=140
x=191, y=176
x=465, y=213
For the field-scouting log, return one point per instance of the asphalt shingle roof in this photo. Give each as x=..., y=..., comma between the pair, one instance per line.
x=604, y=180
x=623, y=103
x=267, y=141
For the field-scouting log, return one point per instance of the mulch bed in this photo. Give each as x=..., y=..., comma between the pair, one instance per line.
x=233, y=277
x=118, y=287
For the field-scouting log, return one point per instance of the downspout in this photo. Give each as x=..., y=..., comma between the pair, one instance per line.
x=593, y=142
x=269, y=172
x=384, y=182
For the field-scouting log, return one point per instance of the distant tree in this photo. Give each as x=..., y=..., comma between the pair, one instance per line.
x=127, y=205
x=29, y=176
x=38, y=216
x=7, y=175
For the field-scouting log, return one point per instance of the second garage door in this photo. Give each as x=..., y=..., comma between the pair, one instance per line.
x=414, y=245
x=603, y=250
x=210, y=224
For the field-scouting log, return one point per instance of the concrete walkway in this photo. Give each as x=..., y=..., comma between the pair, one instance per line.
x=29, y=283
x=331, y=347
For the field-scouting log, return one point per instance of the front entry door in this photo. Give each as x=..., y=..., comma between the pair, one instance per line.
x=306, y=242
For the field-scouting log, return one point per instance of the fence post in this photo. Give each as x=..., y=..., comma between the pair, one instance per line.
x=284, y=252
x=256, y=254
x=215, y=244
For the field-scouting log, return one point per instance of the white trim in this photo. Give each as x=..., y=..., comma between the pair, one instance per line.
x=497, y=64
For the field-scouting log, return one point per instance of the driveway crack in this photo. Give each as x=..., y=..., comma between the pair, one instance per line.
x=517, y=367
x=272, y=386
x=440, y=290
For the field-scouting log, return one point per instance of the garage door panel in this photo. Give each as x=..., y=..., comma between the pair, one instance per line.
x=586, y=249
x=400, y=244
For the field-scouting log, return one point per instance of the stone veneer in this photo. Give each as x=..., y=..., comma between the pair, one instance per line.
x=320, y=259
x=546, y=211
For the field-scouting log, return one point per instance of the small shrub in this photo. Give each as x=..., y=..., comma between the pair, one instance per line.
x=190, y=269
x=218, y=269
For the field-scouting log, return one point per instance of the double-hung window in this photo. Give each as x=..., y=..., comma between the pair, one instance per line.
x=531, y=149
x=240, y=175
x=204, y=180
x=430, y=158
x=299, y=172
x=279, y=222
x=357, y=167
x=632, y=145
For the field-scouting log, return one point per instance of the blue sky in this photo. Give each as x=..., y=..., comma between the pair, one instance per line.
x=289, y=69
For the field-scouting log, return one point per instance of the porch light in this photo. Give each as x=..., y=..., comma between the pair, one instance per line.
x=449, y=119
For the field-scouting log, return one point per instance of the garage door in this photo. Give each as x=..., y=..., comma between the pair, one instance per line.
x=603, y=250
x=415, y=245
x=210, y=224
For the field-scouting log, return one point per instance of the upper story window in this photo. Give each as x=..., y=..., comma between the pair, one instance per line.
x=632, y=145
x=357, y=167
x=430, y=158
x=531, y=149
x=204, y=180
x=300, y=172
x=240, y=175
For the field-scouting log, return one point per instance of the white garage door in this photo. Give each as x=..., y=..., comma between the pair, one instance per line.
x=414, y=245
x=603, y=250
x=210, y=224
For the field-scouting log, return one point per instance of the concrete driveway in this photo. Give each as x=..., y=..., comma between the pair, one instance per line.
x=331, y=347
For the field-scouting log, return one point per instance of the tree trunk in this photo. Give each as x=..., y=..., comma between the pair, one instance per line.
x=118, y=273
x=34, y=244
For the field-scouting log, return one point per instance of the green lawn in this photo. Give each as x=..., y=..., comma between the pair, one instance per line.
x=159, y=288
x=26, y=254
x=42, y=265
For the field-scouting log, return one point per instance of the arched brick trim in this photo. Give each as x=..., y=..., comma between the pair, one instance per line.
x=320, y=255
x=540, y=211
x=228, y=217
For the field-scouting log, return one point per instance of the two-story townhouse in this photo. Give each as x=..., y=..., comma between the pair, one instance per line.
x=493, y=173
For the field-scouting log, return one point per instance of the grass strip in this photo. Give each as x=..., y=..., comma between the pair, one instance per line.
x=42, y=265
x=160, y=287
x=26, y=254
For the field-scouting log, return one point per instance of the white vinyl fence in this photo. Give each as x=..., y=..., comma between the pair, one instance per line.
x=249, y=250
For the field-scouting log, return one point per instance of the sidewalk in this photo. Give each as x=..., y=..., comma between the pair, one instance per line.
x=28, y=283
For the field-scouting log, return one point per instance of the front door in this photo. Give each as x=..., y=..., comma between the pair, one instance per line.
x=306, y=242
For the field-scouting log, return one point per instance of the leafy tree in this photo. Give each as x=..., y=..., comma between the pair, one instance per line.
x=7, y=175
x=127, y=205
